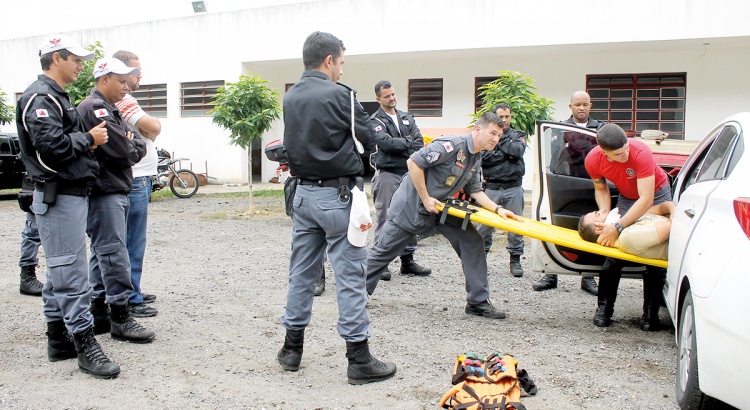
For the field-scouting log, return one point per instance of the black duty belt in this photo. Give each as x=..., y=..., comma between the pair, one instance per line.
x=329, y=183
x=66, y=189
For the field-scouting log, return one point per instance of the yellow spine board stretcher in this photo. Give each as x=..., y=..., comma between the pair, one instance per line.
x=547, y=233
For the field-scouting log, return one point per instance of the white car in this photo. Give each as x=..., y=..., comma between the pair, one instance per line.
x=708, y=277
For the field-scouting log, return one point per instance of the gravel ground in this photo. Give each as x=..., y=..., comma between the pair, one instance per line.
x=221, y=278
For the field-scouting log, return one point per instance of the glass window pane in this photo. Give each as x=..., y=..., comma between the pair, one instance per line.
x=647, y=93
x=673, y=115
x=648, y=80
x=711, y=168
x=622, y=104
x=599, y=93
x=673, y=92
x=622, y=93
x=623, y=80
x=640, y=126
x=680, y=79
x=600, y=104
x=627, y=126
x=647, y=105
x=622, y=115
x=599, y=81
x=647, y=115
x=672, y=127
x=672, y=104
x=599, y=115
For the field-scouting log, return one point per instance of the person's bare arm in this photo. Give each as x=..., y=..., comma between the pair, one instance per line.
x=150, y=127
x=645, y=200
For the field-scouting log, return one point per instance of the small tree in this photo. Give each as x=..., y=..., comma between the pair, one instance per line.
x=518, y=91
x=247, y=109
x=81, y=88
x=6, y=111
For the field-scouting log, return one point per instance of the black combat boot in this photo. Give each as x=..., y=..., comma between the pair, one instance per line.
x=124, y=327
x=60, y=344
x=409, y=267
x=320, y=284
x=653, y=283
x=290, y=355
x=100, y=311
x=515, y=266
x=30, y=285
x=91, y=359
x=363, y=368
x=609, y=282
x=546, y=282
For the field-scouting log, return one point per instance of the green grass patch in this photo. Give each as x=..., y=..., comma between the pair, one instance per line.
x=257, y=193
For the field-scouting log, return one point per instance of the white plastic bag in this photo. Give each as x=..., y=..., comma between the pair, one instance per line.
x=359, y=218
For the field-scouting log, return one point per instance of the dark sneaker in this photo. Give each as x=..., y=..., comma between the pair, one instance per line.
x=589, y=285
x=546, y=282
x=141, y=310
x=486, y=309
x=515, y=266
x=148, y=298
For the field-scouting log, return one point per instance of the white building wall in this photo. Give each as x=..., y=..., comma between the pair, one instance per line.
x=456, y=40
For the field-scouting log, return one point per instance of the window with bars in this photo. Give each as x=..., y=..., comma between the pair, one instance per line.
x=426, y=97
x=478, y=83
x=640, y=101
x=196, y=97
x=153, y=99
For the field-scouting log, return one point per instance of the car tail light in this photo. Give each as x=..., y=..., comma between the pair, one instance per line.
x=742, y=211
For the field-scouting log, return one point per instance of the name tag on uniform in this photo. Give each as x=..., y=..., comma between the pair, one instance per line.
x=101, y=113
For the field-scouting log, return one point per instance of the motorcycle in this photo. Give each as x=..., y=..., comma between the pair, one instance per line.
x=183, y=182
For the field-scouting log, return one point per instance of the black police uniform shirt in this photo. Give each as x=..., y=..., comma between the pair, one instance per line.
x=503, y=167
x=449, y=164
x=318, y=129
x=116, y=157
x=54, y=144
x=395, y=145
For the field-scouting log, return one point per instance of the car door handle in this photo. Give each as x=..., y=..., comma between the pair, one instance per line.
x=690, y=212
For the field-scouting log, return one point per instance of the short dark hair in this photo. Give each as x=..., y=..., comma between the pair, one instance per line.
x=125, y=56
x=587, y=231
x=489, y=118
x=502, y=105
x=318, y=46
x=380, y=85
x=611, y=137
x=46, y=60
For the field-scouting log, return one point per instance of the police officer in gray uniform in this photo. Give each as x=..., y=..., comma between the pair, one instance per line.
x=503, y=169
x=57, y=154
x=320, y=117
x=396, y=137
x=109, y=266
x=436, y=173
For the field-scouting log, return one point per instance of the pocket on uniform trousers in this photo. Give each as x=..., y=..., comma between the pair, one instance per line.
x=54, y=265
x=40, y=208
x=108, y=253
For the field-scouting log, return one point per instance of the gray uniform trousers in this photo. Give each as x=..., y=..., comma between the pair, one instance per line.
x=512, y=200
x=30, y=242
x=467, y=244
x=321, y=221
x=384, y=185
x=62, y=229
x=109, y=266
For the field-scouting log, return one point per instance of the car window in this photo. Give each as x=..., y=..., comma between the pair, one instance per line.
x=5, y=145
x=715, y=163
x=739, y=149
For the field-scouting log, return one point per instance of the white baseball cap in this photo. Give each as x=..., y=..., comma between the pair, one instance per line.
x=57, y=42
x=112, y=66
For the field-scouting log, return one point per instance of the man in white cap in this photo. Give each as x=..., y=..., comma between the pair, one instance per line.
x=57, y=153
x=109, y=266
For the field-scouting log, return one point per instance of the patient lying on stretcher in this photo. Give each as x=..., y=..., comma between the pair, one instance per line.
x=647, y=237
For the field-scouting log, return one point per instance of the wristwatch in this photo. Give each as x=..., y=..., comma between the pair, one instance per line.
x=618, y=227
x=499, y=207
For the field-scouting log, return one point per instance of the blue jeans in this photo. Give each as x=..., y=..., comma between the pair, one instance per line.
x=137, y=223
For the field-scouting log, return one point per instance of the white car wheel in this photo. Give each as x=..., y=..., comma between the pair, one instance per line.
x=689, y=395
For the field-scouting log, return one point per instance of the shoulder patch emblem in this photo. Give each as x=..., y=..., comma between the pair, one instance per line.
x=42, y=113
x=448, y=146
x=378, y=128
x=460, y=156
x=432, y=157
x=101, y=113
x=405, y=121
x=631, y=172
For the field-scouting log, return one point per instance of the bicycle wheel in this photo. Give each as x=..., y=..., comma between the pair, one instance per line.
x=184, y=183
